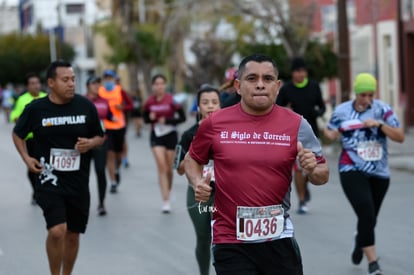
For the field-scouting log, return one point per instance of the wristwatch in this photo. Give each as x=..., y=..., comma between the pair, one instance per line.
x=380, y=126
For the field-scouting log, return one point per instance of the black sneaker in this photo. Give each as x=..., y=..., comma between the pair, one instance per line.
x=101, y=210
x=113, y=189
x=374, y=269
x=357, y=253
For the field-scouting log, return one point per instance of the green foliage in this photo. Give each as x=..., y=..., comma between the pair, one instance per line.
x=277, y=52
x=153, y=48
x=20, y=54
x=142, y=44
x=120, y=51
x=320, y=59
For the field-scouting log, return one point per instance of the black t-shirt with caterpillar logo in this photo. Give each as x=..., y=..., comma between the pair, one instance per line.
x=56, y=129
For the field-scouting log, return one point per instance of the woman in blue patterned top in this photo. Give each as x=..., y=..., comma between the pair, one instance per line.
x=363, y=125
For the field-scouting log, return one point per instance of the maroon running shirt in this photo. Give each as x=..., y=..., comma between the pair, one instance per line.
x=253, y=158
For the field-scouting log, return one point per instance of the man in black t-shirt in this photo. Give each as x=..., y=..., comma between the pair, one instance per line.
x=65, y=127
x=304, y=97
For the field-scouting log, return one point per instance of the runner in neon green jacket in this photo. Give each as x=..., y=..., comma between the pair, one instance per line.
x=33, y=92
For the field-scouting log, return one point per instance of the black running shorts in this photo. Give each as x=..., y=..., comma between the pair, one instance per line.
x=268, y=258
x=168, y=141
x=116, y=139
x=58, y=208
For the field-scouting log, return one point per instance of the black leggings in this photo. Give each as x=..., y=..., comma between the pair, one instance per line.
x=202, y=226
x=365, y=193
x=99, y=158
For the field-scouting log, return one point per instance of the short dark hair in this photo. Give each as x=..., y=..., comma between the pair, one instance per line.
x=51, y=69
x=155, y=77
x=259, y=58
x=93, y=79
x=206, y=89
x=297, y=64
x=28, y=76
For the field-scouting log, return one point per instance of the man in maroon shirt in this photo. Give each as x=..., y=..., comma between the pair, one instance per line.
x=254, y=145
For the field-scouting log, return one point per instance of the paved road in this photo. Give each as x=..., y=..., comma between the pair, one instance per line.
x=135, y=238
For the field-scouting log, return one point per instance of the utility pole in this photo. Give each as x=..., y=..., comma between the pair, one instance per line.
x=52, y=44
x=343, y=50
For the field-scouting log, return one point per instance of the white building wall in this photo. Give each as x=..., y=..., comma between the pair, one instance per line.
x=362, y=50
x=388, y=61
x=388, y=67
x=386, y=70
x=9, y=18
x=50, y=14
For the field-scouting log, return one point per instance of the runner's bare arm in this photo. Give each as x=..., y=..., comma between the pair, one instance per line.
x=85, y=144
x=331, y=134
x=318, y=173
x=32, y=163
x=194, y=172
x=394, y=133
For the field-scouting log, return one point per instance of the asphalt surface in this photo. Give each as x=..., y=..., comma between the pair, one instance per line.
x=136, y=238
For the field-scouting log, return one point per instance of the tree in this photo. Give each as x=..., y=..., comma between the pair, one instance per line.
x=280, y=23
x=143, y=51
x=136, y=38
x=20, y=54
x=320, y=59
x=212, y=58
x=171, y=22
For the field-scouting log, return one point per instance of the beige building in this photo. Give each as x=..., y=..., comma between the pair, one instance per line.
x=9, y=17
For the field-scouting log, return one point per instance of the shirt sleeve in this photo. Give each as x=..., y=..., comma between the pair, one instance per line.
x=96, y=127
x=309, y=140
x=202, y=144
x=389, y=117
x=17, y=110
x=320, y=103
x=25, y=122
x=335, y=121
x=185, y=142
x=127, y=101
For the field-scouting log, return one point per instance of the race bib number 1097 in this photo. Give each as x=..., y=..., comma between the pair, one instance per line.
x=65, y=159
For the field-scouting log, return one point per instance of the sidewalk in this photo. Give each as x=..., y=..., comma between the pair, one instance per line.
x=401, y=156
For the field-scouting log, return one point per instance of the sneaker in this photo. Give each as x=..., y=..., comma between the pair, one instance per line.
x=303, y=209
x=166, y=207
x=125, y=162
x=374, y=269
x=357, y=254
x=101, y=210
x=113, y=189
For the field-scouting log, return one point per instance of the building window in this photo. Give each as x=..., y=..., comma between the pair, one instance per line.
x=75, y=8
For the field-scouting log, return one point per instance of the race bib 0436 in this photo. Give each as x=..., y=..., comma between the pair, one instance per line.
x=259, y=223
